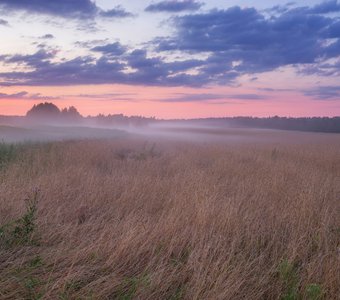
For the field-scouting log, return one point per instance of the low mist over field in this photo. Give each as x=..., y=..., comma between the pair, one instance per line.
x=169, y=150
x=46, y=122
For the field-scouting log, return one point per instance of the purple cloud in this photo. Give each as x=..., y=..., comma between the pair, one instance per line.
x=174, y=6
x=324, y=93
x=79, y=9
x=26, y=96
x=114, y=49
x=117, y=12
x=231, y=43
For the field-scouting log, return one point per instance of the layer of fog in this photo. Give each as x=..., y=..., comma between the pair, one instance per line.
x=198, y=132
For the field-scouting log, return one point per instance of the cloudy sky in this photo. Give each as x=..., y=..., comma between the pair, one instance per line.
x=172, y=59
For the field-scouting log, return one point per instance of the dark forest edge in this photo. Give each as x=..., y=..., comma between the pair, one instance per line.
x=48, y=113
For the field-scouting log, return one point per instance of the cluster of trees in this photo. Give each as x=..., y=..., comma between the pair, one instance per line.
x=48, y=112
x=51, y=113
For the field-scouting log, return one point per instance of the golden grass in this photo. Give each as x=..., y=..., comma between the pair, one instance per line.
x=118, y=220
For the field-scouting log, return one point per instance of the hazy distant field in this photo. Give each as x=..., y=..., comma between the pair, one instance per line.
x=14, y=134
x=176, y=214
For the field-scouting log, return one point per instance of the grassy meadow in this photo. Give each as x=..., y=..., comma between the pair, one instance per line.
x=223, y=215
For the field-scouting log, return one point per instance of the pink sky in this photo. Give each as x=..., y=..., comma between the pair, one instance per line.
x=147, y=101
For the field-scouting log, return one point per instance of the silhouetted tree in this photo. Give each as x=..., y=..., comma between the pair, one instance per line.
x=44, y=110
x=70, y=114
x=49, y=112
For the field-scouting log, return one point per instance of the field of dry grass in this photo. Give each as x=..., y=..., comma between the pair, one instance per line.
x=122, y=219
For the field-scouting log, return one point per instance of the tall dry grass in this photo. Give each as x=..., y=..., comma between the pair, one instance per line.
x=121, y=220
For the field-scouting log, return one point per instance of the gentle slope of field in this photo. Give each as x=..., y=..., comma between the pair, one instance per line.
x=126, y=219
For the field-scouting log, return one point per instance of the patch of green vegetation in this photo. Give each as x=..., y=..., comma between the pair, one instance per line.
x=314, y=292
x=32, y=286
x=73, y=286
x=8, y=153
x=36, y=262
x=288, y=274
x=20, y=231
x=26, y=275
x=289, y=277
x=130, y=286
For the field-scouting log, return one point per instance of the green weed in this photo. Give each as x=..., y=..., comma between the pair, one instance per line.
x=289, y=277
x=8, y=153
x=130, y=286
x=314, y=292
x=20, y=231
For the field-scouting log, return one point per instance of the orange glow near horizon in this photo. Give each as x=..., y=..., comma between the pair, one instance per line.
x=147, y=101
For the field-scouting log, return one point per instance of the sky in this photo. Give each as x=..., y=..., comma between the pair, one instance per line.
x=172, y=59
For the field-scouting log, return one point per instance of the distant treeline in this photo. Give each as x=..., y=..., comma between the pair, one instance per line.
x=316, y=124
x=119, y=120
x=51, y=114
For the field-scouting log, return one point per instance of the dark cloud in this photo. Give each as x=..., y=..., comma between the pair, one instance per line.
x=326, y=7
x=114, y=49
x=132, y=68
x=325, y=69
x=117, y=12
x=26, y=96
x=37, y=59
x=79, y=9
x=279, y=9
x=245, y=41
x=62, y=8
x=334, y=30
x=3, y=22
x=324, y=93
x=230, y=43
x=174, y=6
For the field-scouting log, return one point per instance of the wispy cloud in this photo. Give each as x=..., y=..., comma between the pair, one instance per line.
x=174, y=6
x=215, y=98
x=324, y=93
x=47, y=36
x=130, y=97
x=26, y=96
x=3, y=22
